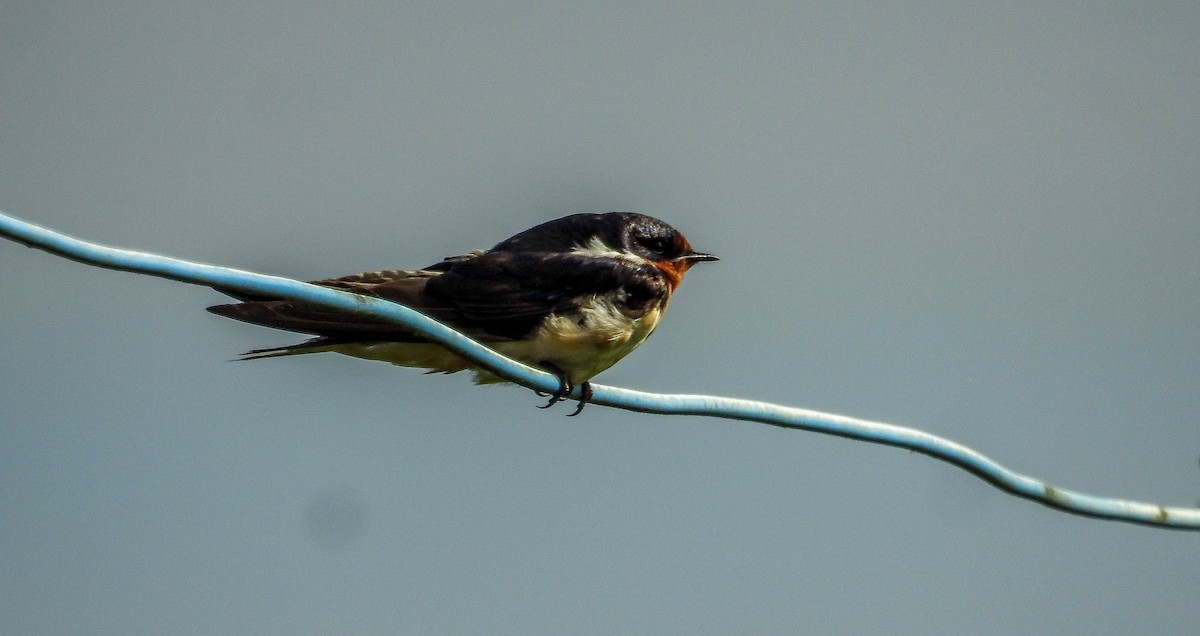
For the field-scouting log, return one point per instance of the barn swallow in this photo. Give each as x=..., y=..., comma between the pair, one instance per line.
x=572, y=296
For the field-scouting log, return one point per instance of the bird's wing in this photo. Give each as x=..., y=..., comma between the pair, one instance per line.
x=405, y=287
x=508, y=294
x=488, y=296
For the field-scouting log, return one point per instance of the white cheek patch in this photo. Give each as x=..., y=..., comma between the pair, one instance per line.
x=599, y=249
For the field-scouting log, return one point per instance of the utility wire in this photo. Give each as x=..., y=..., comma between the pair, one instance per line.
x=729, y=408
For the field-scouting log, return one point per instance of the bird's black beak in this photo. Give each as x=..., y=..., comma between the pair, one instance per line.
x=696, y=257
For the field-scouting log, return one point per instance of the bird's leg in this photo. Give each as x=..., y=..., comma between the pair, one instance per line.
x=564, y=384
x=564, y=389
x=584, y=397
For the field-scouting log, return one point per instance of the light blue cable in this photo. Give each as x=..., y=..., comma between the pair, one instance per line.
x=728, y=408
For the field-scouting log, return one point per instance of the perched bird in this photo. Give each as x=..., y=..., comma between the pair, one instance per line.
x=572, y=296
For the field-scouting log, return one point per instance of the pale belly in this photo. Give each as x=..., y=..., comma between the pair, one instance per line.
x=581, y=345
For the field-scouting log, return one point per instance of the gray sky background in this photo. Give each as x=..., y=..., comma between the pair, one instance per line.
x=979, y=220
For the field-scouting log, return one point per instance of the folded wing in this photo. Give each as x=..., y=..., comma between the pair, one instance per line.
x=489, y=296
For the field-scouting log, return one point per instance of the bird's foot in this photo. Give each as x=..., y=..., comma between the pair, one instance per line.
x=564, y=389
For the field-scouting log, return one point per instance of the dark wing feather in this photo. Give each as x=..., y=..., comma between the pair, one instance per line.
x=488, y=296
x=507, y=294
x=403, y=287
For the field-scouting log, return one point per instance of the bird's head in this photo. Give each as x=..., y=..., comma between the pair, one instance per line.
x=628, y=235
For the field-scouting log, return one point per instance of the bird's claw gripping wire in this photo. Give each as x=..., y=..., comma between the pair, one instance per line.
x=564, y=389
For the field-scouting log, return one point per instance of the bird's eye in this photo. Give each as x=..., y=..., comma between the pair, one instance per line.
x=656, y=245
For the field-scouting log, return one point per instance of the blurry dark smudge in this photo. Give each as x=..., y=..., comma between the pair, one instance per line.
x=335, y=519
